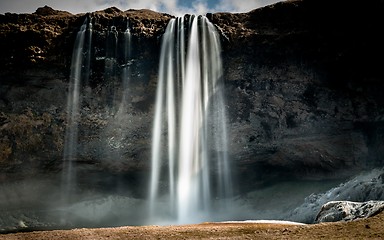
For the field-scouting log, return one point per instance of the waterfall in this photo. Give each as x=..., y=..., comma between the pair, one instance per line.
x=111, y=67
x=189, y=144
x=126, y=73
x=78, y=77
x=117, y=76
x=117, y=70
x=113, y=138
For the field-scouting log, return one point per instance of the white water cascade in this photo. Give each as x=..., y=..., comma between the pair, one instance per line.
x=190, y=173
x=126, y=73
x=118, y=75
x=111, y=67
x=117, y=69
x=80, y=68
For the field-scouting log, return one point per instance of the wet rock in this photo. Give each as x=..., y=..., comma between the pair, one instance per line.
x=348, y=211
x=365, y=187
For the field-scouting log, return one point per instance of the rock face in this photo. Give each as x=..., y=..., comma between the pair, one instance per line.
x=303, y=88
x=363, y=188
x=35, y=69
x=347, y=211
x=306, y=105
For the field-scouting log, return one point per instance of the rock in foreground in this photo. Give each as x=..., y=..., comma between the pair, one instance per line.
x=347, y=211
x=361, y=229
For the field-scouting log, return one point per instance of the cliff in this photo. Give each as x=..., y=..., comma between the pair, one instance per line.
x=303, y=79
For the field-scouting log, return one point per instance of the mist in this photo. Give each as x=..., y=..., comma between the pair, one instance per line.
x=34, y=204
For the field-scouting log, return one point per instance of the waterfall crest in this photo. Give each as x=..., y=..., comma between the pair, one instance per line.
x=189, y=146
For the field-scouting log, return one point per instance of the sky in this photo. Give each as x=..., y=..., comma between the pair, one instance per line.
x=174, y=7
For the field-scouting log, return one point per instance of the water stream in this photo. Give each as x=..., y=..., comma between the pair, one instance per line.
x=190, y=177
x=80, y=69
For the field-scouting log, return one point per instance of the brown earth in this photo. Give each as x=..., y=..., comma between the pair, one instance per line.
x=370, y=228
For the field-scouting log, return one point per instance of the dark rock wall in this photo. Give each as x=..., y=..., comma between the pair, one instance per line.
x=35, y=84
x=303, y=85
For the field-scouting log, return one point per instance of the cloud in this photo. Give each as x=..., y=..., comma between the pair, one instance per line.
x=201, y=6
x=241, y=5
x=27, y=6
x=175, y=7
x=156, y=5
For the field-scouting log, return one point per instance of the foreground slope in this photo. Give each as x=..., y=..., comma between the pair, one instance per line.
x=370, y=228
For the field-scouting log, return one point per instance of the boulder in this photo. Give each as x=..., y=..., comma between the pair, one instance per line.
x=335, y=211
x=365, y=187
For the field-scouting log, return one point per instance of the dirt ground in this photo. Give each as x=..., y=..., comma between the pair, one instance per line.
x=371, y=228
